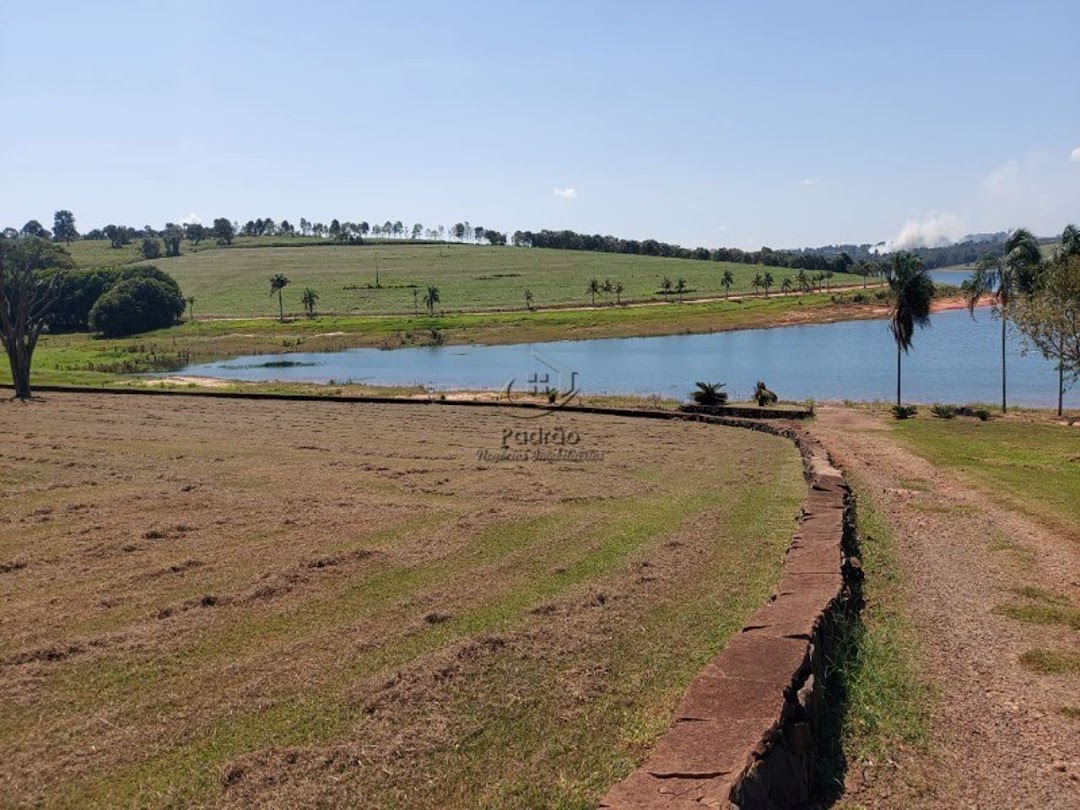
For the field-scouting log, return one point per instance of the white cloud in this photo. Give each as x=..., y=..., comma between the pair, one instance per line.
x=933, y=230
x=191, y=219
x=810, y=181
x=568, y=193
x=1075, y=156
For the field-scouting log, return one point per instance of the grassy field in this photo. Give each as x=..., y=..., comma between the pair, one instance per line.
x=237, y=604
x=1032, y=467
x=470, y=278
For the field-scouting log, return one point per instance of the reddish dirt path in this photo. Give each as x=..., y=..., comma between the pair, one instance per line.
x=998, y=738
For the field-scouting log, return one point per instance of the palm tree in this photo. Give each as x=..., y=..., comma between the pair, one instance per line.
x=709, y=394
x=910, y=289
x=828, y=274
x=618, y=292
x=680, y=288
x=726, y=282
x=309, y=299
x=277, y=284
x=607, y=287
x=191, y=307
x=528, y=299
x=1002, y=278
x=431, y=299
x=767, y=281
x=785, y=286
x=804, y=281
x=593, y=289
x=757, y=283
x=665, y=286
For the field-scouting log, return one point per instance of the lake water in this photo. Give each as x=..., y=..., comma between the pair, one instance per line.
x=955, y=360
x=954, y=277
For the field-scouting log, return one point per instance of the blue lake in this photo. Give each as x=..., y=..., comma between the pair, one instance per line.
x=955, y=360
x=954, y=277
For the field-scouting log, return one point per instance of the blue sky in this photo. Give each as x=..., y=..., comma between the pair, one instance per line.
x=715, y=123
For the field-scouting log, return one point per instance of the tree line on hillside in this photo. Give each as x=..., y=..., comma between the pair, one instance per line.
x=967, y=252
x=864, y=259
x=225, y=231
x=571, y=240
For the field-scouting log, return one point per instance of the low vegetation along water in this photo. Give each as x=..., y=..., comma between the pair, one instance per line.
x=955, y=360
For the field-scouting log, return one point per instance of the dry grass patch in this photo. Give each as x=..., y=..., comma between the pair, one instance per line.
x=228, y=603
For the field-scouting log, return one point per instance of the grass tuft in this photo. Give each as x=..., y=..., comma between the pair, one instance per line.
x=1041, y=613
x=1051, y=662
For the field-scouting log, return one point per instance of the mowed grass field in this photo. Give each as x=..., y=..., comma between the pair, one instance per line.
x=239, y=604
x=236, y=281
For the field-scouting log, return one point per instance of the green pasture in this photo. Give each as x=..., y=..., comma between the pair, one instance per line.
x=235, y=281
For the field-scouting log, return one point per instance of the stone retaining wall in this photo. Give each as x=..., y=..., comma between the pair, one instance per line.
x=747, y=732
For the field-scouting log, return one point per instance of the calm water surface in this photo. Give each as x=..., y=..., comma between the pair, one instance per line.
x=955, y=360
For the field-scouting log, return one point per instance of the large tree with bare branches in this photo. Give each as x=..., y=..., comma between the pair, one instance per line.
x=28, y=291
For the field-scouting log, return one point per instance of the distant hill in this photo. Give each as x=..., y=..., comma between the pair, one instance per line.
x=393, y=277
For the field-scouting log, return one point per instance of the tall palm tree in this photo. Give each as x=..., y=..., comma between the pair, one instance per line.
x=785, y=286
x=1014, y=272
x=528, y=299
x=191, y=307
x=665, y=286
x=431, y=299
x=593, y=289
x=277, y=284
x=618, y=293
x=910, y=289
x=758, y=282
x=680, y=287
x=727, y=281
x=767, y=281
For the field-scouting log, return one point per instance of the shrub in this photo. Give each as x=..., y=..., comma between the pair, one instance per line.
x=763, y=396
x=77, y=293
x=709, y=394
x=79, y=290
x=136, y=305
x=904, y=411
x=974, y=411
x=943, y=411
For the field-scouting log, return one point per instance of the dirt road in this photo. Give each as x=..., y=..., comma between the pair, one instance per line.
x=998, y=734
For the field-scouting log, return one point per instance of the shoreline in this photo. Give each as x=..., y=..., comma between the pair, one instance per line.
x=80, y=358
